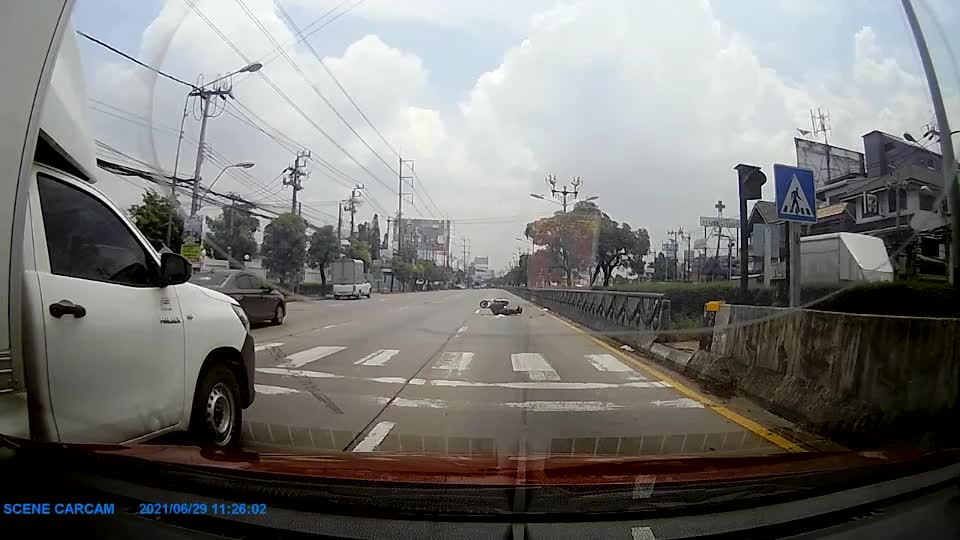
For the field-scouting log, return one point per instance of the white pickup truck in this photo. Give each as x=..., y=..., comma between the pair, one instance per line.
x=101, y=339
x=349, y=279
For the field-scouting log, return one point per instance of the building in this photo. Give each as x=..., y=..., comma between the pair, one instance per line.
x=430, y=238
x=893, y=196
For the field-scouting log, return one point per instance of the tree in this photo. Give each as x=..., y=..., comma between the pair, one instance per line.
x=660, y=267
x=231, y=233
x=569, y=238
x=284, y=247
x=373, y=238
x=360, y=249
x=618, y=246
x=152, y=217
x=323, y=249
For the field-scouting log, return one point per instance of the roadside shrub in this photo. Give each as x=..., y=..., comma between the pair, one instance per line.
x=315, y=289
x=906, y=298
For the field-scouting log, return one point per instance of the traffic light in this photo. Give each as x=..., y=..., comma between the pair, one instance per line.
x=752, y=180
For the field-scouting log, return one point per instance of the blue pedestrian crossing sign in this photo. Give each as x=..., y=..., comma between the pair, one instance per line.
x=796, y=193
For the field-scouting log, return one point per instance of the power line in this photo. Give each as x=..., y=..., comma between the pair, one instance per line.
x=312, y=86
x=286, y=98
x=134, y=60
x=356, y=106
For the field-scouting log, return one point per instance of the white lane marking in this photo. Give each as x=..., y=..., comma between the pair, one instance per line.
x=535, y=366
x=606, y=362
x=329, y=326
x=374, y=437
x=564, y=406
x=476, y=311
x=545, y=385
x=682, y=403
x=402, y=307
x=642, y=533
x=266, y=346
x=454, y=362
x=305, y=357
x=273, y=390
x=426, y=403
x=462, y=329
x=377, y=358
x=299, y=373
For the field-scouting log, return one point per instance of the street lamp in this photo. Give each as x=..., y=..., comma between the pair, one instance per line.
x=249, y=68
x=241, y=165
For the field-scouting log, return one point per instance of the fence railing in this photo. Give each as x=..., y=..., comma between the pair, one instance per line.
x=605, y=311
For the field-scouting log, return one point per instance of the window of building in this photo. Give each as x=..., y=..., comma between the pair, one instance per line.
x=927, y=201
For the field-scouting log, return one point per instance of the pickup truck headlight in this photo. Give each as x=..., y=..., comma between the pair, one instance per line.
x=243, y=316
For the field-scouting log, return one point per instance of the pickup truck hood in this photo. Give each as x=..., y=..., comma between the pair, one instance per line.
x=212, y=293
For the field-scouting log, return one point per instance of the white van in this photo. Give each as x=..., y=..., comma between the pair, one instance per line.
x=114, y=345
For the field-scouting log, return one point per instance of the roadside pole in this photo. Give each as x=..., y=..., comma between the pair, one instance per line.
x=949, y=163
x=793, y=229
x=796, y=194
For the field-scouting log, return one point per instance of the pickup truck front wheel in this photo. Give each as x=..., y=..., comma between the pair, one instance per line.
x=217, y=415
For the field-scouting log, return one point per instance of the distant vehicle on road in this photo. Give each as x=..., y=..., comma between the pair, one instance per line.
x=259, y=300
x=349, y=279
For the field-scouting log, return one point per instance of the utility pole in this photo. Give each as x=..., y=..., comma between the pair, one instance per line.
x=400, y=179
x=294, y=173
x=562, y=194
x=352, y=208
x=339, y=226
x=206, y=97
x=948, y=163
x=821, y=125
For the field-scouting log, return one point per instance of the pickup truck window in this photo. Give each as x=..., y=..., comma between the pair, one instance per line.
x=86, y=240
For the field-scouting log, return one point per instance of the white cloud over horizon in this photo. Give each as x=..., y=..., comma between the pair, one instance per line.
x=651, y=105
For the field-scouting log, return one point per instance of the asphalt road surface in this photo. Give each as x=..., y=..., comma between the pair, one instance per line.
x=431, y=373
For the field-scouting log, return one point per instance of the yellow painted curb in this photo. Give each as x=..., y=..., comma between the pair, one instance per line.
x=693, y=394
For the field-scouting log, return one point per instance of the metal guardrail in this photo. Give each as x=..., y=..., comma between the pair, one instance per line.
x=605, y=310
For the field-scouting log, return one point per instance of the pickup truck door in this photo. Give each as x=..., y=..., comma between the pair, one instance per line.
x=114, y=339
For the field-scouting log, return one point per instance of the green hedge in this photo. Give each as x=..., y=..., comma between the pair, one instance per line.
x=907, y=298
x=308, y=288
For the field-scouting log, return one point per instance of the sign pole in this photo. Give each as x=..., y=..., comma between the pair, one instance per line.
x=794, y=285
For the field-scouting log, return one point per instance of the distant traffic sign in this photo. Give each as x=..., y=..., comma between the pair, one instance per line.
x=796, y=194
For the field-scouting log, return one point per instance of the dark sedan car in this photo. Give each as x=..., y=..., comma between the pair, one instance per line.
x=259, y=300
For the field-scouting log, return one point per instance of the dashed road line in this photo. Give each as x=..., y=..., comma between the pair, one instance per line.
x=565, y=406
x=377, y=358
x=605, y=362
x=374, y=437
x=305, y=357
x=329, y=326
x=535, y=366
x=267, y=389
x=454, y=362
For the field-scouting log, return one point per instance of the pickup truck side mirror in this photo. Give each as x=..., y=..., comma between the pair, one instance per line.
x=174, y=269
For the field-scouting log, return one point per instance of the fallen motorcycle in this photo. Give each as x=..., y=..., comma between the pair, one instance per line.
x=500, y=306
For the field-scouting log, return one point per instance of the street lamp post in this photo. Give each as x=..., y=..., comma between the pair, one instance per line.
x=251, y=68
x=241, y=165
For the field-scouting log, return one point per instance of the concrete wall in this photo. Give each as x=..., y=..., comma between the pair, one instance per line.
x=860, y=379
x=633, y=318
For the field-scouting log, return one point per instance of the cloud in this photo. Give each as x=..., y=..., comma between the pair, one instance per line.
x=652, y=105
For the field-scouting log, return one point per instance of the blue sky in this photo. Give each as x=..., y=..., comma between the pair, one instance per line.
x=488, y=98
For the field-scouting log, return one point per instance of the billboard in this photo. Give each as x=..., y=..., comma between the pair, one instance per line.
x=192, y=247
x=814, y=155
x=717, y=222
x=481, y=263
x=430, y=238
